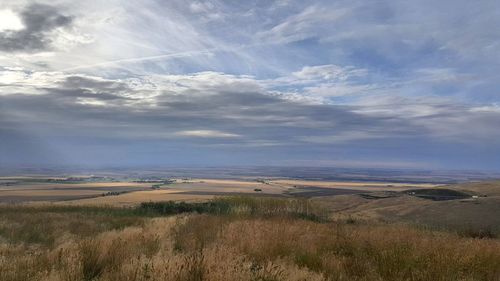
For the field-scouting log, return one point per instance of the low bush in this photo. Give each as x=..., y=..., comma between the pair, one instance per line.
x=243, y=206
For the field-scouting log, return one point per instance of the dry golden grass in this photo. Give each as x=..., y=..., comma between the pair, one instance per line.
x=365, y=252
x=490, y=188
x=259, y=240
x=476, y=213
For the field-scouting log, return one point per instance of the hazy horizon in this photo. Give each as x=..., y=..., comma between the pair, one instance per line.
x=368, y=84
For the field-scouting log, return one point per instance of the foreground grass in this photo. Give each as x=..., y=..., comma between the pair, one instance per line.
x=229, y=239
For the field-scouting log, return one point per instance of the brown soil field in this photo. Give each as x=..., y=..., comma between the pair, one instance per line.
x=53, y=192
x=364, y=186
x=192, y=190
x=227, y=186
x=137, y=197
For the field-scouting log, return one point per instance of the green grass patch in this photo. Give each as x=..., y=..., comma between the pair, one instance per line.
x=239, y=206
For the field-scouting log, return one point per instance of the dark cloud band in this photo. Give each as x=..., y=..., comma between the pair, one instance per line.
x=39, y=20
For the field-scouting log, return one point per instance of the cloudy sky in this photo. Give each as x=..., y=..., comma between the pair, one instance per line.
x=405, y=84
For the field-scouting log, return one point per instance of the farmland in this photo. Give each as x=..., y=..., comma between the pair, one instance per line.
x=129, y=192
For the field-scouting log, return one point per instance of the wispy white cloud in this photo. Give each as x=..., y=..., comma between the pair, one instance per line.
x=286, y=76
x=306, y=24
x=206, y=134
x=328, y=72
x=347, y=137
x=142, y=59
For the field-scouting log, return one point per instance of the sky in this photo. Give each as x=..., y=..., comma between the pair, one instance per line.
x=383, y=84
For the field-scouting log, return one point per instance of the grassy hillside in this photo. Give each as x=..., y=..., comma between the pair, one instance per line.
x=230, y=239
x=461, y=213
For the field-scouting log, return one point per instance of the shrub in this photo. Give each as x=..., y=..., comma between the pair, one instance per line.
x=239, y=206
x=479, y=233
